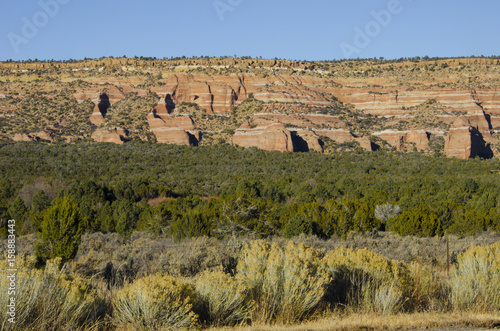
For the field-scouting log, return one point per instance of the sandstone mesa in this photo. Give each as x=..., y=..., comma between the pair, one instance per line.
x=303, y=106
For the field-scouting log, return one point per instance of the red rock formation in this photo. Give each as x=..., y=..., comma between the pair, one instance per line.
x=96, y=118
x=42, y=135
x=402, y=140
x=293, y=95
x=100, y=109
x=339, y=135
x=308, y=139
x=108, y=136
x=170, y=130
x=419, y=138
x=469, y=137
x=21, y=137
x=175, y=136
x=215, y=95
x=458, y=143
x=274, y=137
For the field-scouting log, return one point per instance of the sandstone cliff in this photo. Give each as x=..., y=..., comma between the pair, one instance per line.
x=274, y=137
x=303, y=106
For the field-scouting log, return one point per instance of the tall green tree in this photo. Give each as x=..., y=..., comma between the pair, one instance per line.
x=61, y=231
x=17, y=211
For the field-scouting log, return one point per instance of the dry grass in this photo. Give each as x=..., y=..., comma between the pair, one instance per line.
x=274, y=286
x=48, y=299
x=475, y=282
x=380, y=322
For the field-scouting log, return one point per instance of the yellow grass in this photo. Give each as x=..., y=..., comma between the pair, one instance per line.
x=379, y=322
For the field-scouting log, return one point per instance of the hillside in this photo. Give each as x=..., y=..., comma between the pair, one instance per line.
x=439, y=107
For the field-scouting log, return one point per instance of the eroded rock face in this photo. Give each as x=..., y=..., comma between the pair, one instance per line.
x=403, y=140
x=274, y=137
x=215, y=95
x=306, y=141
x=342, y=136
x=294, y=95
x=42, y=135
x=466, y=142
x=171, y=130
x=175, y=136
x=101, y=108
x=108, y=135
x=21, y=137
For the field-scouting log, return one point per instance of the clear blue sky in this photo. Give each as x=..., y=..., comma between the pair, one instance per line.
x=289, y=29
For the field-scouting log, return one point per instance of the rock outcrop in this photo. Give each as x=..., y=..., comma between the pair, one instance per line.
x=470, y=136
x=466, y=142
x=299, y=103
x=108, y=135
x=274, y=137
x=306, y=141
x=215, y=95
x=101, y=108
x=403, y=140
x=171, y=130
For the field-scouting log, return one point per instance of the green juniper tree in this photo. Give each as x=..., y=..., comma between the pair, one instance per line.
x=61, y=231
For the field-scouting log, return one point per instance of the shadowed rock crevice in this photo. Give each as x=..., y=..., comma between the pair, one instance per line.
x=193, y=140
x=169, y=103
x=299, y=144
x=478, y=146
x=104, y=103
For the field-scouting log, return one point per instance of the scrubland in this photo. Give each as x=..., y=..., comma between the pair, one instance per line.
x=377, y=281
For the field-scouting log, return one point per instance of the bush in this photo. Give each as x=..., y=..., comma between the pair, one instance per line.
x=431, y=290
x=61, y=231
x=419, y=221
x=366, y=280
x=287, y=284
x=156, y=303
x=49, y=300
x=222, y=299
x=297, y=225
x=475, y=282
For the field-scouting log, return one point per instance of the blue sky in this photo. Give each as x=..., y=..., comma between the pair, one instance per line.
x=289, y=29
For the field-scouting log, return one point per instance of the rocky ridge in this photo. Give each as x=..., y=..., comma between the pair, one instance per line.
x=445, y=106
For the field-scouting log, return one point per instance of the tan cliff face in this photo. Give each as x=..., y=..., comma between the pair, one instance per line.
x=302, y=106
x=274, y=137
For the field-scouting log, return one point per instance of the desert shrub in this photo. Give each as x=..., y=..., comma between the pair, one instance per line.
x=191, y=224
x=61, y=231
x=48, y=299
x=223, y=299
x=193, y=256
x=297, y=225
x=419, y=221
x=154, y=303
x=287, y=283
x=468, y=223
x=475, y=282
x=431, y=290
x=365, y=280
